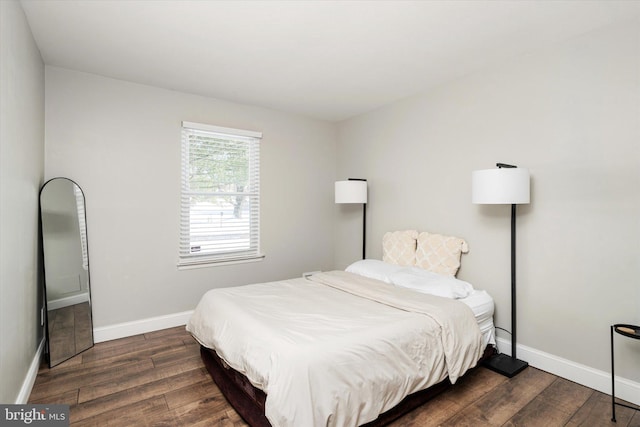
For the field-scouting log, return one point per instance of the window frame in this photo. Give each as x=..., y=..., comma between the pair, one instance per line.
x=186, y=257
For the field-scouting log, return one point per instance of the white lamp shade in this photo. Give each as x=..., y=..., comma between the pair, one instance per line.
x=351, y=191
x=508, y=186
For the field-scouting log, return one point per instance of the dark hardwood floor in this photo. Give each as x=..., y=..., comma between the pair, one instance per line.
x=158, y=379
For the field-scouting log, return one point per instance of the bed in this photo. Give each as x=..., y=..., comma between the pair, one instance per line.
x=343, y=348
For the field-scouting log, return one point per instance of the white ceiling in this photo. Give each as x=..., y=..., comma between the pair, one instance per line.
x=325, y=59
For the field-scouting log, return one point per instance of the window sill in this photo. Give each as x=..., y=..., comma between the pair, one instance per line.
x=206, y=263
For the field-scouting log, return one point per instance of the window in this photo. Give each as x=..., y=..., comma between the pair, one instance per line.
x=220, y=203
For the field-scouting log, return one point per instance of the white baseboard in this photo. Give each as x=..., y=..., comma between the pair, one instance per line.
x=127, y=329
x=593, y=378
x=30, y=379
x=67, y=301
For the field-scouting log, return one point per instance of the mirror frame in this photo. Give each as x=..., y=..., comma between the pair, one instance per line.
x=68, y=356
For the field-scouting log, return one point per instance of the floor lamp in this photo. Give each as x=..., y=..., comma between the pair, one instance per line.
x=354, y=191
x=508, y=185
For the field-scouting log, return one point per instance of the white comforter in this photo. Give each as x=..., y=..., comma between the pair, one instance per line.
x=336, y=349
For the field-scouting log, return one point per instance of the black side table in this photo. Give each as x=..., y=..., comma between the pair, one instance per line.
x=631, y=331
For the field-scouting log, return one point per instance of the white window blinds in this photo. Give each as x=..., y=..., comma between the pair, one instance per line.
x=82, y=225
x=220, y=203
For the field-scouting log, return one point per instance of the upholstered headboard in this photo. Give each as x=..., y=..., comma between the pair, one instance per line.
x=433, y=252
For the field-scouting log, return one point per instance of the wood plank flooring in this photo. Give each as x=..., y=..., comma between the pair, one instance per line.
x=158, y=379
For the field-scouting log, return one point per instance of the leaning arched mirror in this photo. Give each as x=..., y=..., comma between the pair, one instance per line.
x=66, y=270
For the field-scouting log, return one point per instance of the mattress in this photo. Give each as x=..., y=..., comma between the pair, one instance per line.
x=482, y=306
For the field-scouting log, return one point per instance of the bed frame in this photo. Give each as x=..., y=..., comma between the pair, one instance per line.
x=248, y=400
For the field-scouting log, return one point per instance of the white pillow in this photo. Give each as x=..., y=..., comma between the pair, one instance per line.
x=374, y=269
x=431, y=283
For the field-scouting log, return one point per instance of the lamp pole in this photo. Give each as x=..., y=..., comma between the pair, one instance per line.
x=354, y=190
x=513, y=281
x=513, y=270
x=364, y=220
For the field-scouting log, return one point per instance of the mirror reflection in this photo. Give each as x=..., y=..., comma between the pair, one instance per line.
x=66, y=268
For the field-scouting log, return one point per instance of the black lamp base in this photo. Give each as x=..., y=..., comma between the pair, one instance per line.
x=505, y=365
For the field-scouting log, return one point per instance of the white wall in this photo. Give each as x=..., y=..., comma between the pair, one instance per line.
x=121, y=143
x=21, y=172
x=571, y=114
